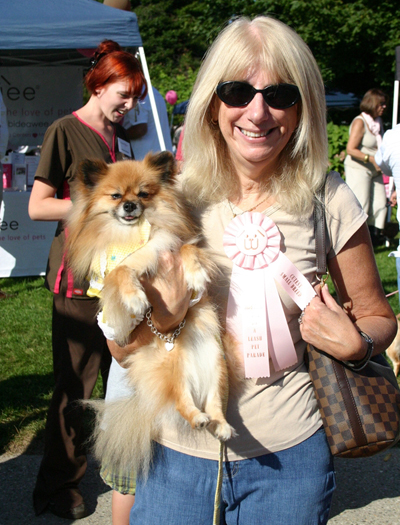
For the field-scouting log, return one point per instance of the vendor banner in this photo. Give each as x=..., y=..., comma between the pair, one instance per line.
x=35, y=97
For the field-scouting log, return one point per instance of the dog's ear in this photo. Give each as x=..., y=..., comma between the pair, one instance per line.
x=91, y=171
x=164, y=163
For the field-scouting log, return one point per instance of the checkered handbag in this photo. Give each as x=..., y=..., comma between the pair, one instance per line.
x=360, y=409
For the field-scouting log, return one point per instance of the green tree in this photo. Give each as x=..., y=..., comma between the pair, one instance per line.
x=353, y=40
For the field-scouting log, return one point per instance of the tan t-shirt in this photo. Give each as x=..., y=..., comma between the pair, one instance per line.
x=278, y=412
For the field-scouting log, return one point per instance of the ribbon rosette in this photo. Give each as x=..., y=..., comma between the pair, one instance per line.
x=255, y=314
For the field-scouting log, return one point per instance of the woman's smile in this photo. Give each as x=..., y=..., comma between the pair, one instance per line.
x=254, y=134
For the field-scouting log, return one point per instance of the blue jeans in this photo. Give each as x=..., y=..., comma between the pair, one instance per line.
x=291, y=487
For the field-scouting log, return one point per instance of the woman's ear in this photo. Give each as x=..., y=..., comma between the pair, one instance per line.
x=214, y=109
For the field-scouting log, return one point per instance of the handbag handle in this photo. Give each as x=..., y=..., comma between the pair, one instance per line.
x=320, y=232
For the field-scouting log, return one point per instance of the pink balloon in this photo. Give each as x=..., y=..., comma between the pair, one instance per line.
x=171, y=97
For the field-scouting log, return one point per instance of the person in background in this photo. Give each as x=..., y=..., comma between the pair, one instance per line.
x=388, y=159
x=115, y=82
x=255, y=156
x=3, y=149
x=3, y=140
x=363, y=175
x=179, y=152
x=141, y=127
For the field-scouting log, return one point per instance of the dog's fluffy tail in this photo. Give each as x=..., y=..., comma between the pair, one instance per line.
x=123, y=435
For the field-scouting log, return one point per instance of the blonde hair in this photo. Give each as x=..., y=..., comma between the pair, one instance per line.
x=244, y=45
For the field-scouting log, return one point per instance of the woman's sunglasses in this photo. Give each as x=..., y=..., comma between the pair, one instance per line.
x=239, y=94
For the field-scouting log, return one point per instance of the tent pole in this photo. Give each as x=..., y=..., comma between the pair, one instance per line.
x=152, y=99
x=395, y=103
x=396, y=88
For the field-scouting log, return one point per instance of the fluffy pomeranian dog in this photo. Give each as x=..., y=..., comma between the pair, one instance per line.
x=135, y=208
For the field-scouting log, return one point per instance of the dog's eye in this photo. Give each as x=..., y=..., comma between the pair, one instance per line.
x=116, y=196
x=143, y=194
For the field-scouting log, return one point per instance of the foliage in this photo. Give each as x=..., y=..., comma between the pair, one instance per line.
x=353, y=41
x=182, y=84
x=337, y=142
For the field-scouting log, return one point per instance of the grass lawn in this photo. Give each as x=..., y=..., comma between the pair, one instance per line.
x=26, y=378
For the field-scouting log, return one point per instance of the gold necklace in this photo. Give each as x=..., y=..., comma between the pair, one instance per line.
x=250, y=209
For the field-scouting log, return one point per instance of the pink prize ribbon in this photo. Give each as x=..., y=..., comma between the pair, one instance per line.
x=255, y=314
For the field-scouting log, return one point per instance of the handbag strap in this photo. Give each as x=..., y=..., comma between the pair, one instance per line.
x=320, y=231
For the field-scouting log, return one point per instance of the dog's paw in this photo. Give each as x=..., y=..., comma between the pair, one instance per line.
x=201, y=421
x=121, y=340
x=135, y=301
x=197, y=280
x=223, y=431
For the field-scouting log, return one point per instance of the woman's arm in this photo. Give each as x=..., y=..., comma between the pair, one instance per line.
x=169, y=296
x=333, y=328
x=356, y=135
x=43, y=206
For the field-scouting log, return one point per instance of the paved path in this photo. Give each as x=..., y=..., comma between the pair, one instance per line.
x=368, y=492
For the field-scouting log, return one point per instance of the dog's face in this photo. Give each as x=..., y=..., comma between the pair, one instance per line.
x=124, y=190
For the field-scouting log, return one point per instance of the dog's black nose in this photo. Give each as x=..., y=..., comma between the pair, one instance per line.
x=129, y=207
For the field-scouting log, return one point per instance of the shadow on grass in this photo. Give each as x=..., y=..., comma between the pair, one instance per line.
x=24, y=402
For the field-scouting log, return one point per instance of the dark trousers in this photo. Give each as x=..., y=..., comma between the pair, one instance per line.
x=79, y=352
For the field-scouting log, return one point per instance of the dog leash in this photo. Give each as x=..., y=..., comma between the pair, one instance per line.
x=218, y=490
x=222, y=445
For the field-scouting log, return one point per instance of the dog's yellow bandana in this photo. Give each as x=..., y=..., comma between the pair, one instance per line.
x=114, y=255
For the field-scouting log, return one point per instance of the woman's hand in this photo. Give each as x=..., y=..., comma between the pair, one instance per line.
x=363, y=306
x=372, y=159
x=167, y=292
x=169, y=296
x=327, y=326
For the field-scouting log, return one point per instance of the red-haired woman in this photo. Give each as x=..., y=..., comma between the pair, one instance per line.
x=115, y=82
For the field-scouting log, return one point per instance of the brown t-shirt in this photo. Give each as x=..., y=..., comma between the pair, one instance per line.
x=66, y=143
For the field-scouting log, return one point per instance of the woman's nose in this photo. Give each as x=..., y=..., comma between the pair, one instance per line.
x=258, y=109
x=131, y=103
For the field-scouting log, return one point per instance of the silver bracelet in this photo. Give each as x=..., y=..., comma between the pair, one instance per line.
x=169, y=341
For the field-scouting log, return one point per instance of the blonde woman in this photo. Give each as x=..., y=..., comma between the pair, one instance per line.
x=255, y=150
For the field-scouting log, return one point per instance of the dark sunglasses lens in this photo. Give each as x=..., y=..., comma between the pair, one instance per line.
x=281, y=96
x=235, y=93
x=239, y=94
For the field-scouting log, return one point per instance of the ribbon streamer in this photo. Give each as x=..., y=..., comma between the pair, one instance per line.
x=255, y=314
